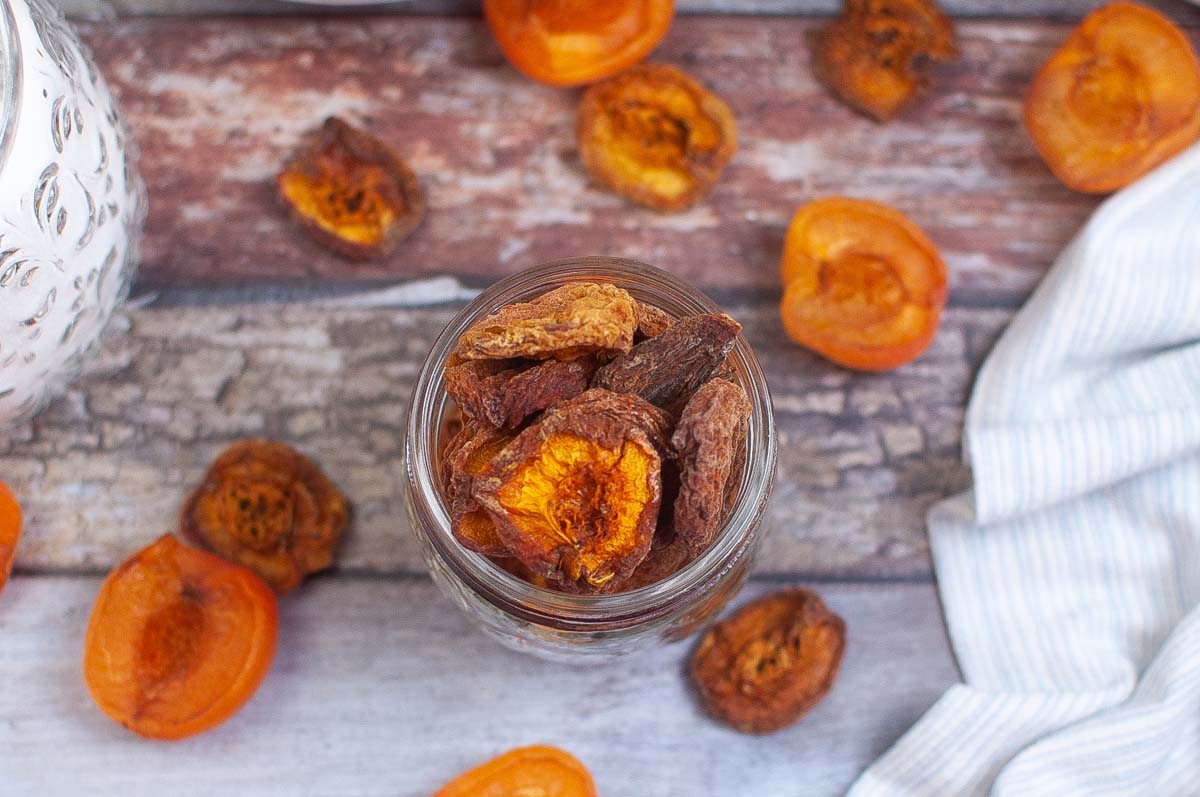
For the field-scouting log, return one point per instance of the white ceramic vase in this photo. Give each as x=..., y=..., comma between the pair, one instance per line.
x=71, y=206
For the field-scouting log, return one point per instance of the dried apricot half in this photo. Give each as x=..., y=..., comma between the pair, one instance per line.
x=503, y=393
x=576, y=495
x=878, y=55
x=534, y=771
x=466, y=456
x=767, y=665
x=178, y=641
x=571, y=42
x=351, y=192
x=655, y=135
x=863, y=285
x=267, y=506
x=1118, y=98
x=10, y=532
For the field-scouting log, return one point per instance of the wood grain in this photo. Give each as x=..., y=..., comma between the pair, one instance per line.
x=861, y=456
x=382, y=688
x=218, y=106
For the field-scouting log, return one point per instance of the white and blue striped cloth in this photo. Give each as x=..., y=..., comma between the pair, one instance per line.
x=1070, y=576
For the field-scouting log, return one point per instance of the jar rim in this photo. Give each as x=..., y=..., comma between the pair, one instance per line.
x=550, y=607
x=11, y=79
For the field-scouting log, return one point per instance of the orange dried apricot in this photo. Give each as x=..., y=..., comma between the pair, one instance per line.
x=10, y=532
x=877, y=56
x=351, y=192
x=571, y=42
x=864, y=286
x=534, y=771
x=178, y=641
x=466, y=457
x=655, y=135
x=767, y=665
x=267, y=506
x=1119, y=97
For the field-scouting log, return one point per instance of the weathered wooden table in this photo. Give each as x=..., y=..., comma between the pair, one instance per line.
x=239, y=326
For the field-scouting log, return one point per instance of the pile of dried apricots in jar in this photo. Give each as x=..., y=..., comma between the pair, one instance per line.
x=600, y=439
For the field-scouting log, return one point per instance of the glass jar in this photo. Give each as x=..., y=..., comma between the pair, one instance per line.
x=583, y=628
x=71, y=211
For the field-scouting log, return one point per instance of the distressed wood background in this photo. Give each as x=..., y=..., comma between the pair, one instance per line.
x=240, y=326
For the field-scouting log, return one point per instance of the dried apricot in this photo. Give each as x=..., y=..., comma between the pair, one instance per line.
x=10, y=532
x=532, y=771
x=668, y=555
x=706, y=441
x=571, y=42
x=651, y=321
x=655, y=135
x=569, y=322
x=877, y=56
x=178, y=641
x=864, y=286
x=576, y=494
x=1118, y=98
x=267, y=506
x=504, y=396
x=466, y=457
x=767, y=665
x=351, y=192
x=669, y=366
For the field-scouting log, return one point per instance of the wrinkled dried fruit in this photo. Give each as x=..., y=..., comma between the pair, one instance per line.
x=766, y=666
x=178, y=641
x=466, y=457
x=864, y=286
x=656, y=136
x=10, y=532
x=571, y=42
x=351, y=192
x=576, y=494
x=1119, y=97
x=706, y=441
x=571, y=321
x=652, y=321
x=505, y=396
x=669, y=366
x=666, y=558
x=877, y=57
x=267, y=506
x=538, y=771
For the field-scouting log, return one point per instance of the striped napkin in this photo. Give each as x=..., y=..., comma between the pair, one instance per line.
x=1070, y=576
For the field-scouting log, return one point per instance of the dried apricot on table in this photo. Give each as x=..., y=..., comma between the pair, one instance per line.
x=669, y=366
x=569, y=322
x=503, y=393
x=706, y=443
x=878, y=55
x=178, y=641
x=467, y=455
x=267, y=506
x=656, y=136
x=767, y=665
x=351, y=192
x=864, y=286
x=571, y=42
x=576, y=495
x=10, y=532
x=1118, y=98
x=534, y=771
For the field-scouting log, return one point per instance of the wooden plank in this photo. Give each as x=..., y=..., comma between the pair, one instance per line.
x=382, y=688
x=217, y=108
x=1058, y=9
x=861, y=456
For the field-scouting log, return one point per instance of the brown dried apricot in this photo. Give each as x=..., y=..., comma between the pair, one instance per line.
x=10, y=532
x=706, y=441
x=576, y=494
x=503, y=393
x=267, y=506
x=655, y=135
x=178, y=641
x=877, y=56
x=537, y=771
x=569, y=322
x=767, y=665
x=668, y=555
x=351, y=192
x=669, y=366
x=651, y=321
x=466, y=457
x=1119, y=97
